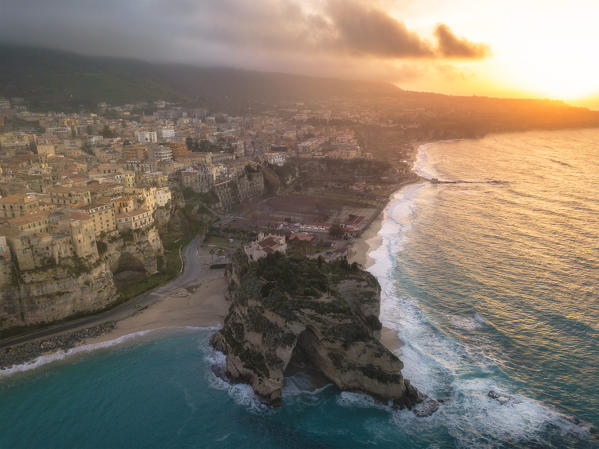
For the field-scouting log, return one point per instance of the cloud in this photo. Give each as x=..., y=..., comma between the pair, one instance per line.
x=309, y=36
x=451, y=46
x=367, y=31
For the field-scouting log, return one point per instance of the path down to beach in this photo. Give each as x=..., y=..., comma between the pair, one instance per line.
x=196, y=274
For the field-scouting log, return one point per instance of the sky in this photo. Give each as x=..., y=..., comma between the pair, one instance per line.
x=513, y=48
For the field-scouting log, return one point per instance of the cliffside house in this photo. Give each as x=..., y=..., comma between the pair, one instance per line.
x=136, y=219
x=265, y=245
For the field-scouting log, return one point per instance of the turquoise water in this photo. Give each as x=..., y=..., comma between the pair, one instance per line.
x=492, y=284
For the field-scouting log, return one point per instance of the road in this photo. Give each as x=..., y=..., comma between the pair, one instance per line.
x=195, y=262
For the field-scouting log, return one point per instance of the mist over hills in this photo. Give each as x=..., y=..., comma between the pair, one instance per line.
x=63, y=81
x=52, y=79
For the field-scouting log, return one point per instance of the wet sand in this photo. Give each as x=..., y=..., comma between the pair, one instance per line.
x=361, y=247
x=368, y=241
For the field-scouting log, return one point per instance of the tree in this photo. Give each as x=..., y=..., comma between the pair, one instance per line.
x=336, y=231
x=87, y=148
x=189, y=143
x=108, y=133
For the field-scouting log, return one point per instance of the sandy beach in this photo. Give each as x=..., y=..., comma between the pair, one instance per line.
x=361, y=248
x=202, y=305
x=367, y=242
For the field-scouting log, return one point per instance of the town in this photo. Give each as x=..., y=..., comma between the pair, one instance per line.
x=96, y=207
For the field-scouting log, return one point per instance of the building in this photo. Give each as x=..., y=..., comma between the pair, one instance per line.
x=163, y=196
x=147, y=137
x=148, y=179
x=18, y=205
x=167, y=133
x=102, y=215
x=179, y=150
x=248, y=184
x=221, y=157
x=136, y=219
x=135, y=153
x=265, y=245
x=199, y=179
x=275, y=158
x=160, y=153
x=64, y=234
x=5, y=254
x=126, y=178
x=29, y=223
x=69, y=196
x=46, y=149
x=123, y=204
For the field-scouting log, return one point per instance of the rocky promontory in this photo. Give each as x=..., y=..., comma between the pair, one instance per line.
x=292, y=314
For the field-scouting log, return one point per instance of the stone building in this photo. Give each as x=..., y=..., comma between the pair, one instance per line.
x=18, y=205
x=265, y=245
x=63, y=234
x=136, y=219
x=69, y=196
x=102, y=215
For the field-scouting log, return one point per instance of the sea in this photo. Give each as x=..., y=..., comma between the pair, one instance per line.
x=490, y=278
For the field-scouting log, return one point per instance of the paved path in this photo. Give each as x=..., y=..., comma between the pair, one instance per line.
x=195, y=262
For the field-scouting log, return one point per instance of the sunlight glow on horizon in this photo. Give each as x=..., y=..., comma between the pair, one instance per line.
x=539, y=48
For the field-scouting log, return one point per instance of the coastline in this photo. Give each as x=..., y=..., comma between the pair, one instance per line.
x=203, y=305
x=368, y=241
x=200, y=303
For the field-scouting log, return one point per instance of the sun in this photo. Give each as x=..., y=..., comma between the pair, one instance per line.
x=556, y=57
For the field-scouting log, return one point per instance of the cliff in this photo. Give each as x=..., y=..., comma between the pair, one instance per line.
x=293, y=314
x=54, y=293
x=77, y=286
x=134, y=255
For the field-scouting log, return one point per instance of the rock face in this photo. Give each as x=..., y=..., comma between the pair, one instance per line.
x=136, y=258
x=43, y=296
x=292, y=314
x=57, y=292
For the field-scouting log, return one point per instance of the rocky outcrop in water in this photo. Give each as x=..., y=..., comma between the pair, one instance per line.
x=299, y=314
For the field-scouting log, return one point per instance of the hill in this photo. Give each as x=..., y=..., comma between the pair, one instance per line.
x=57, y=80
x=62, y=81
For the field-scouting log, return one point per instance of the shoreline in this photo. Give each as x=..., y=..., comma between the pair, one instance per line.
x=368, y=241
x=200, y=304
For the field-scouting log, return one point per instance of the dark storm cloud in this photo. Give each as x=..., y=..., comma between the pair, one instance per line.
x=452, y=46
x=373, y=32
x=269, y=34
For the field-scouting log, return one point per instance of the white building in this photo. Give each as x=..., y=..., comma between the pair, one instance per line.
x=167, y=133
x=147, y=137
x=265, y=245
x=160, y=153
x=163, y=196
x=275, y=158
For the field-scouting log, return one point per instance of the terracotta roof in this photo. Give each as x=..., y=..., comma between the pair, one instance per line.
x=268, y=242
x=133, y=213
x=27, y=219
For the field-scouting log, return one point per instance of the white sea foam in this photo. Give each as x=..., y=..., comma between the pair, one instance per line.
x=359, y=400
x=469, y=323
x=439, y=366
x=82, y=349
x=242, y=394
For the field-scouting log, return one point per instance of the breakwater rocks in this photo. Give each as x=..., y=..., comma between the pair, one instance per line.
x=26, y=352
x=289, y=315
